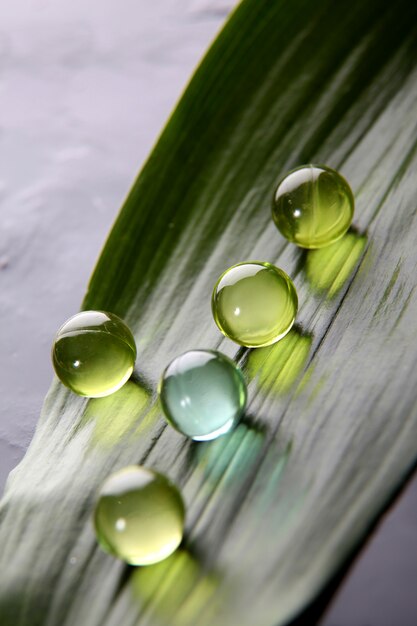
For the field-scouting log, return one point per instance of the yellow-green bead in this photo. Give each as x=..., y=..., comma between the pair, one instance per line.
x=254, y=303
x=139, y=516
x=94, y=353
x=313, y=206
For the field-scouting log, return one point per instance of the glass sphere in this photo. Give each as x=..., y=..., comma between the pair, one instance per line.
x=139, y=516
x=313, y=206
x=254, y=304
x=94, y=353
x=203, y=394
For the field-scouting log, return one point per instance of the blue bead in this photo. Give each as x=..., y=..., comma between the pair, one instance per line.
x=203, y=394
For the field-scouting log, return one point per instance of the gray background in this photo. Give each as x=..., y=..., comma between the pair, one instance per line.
x=85, y=88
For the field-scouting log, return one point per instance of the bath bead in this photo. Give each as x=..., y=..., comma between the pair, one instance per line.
x=254, y=303
x=313, y=206
x=94, y=353
x=139, y=516
x=203, y=394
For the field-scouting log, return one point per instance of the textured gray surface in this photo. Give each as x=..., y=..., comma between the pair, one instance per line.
x=85, y=87
x=380, y=590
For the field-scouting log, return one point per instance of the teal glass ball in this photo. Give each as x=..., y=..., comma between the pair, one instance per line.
x=203, y=394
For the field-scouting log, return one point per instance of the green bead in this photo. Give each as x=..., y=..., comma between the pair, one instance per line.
x=313, y=206
x=254, y=304
x=94, y=353
x=139, y=516
x=203, y=394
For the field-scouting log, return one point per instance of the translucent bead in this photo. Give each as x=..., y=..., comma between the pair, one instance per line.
x=313, y=206
x=254, y=304
x=139, y=516
x=203, y=394
x=94, y=353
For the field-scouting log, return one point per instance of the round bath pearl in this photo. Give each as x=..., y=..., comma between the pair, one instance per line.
x=254, y=304
x=203, y=394
x=313, y=206
x=94, y=353
x=139, y=516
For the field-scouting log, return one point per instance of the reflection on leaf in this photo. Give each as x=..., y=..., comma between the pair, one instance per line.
x=222, y=469
x=276, y=368
x=269, y=508
x=328, y=269
x=113, y=417
x=235, y=453
x=177, y=587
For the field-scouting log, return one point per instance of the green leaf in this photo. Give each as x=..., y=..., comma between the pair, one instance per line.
x=276, y=508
